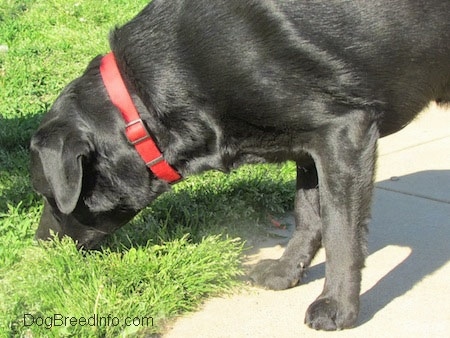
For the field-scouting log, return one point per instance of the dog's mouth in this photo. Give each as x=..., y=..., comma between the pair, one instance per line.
x=92, y=239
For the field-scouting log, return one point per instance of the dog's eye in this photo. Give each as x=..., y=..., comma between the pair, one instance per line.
x=57, y=216
x=52, y=202
x=54, y=209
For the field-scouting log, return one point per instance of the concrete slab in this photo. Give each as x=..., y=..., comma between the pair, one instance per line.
x=405, y=288
x=431, y=125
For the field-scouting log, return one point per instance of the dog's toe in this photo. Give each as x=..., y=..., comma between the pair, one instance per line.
x=275, y=275
x=325, y=314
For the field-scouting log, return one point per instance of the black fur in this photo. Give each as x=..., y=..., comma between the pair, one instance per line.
x=221, y=83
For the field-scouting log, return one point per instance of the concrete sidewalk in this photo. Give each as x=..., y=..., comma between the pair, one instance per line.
x=406, y=282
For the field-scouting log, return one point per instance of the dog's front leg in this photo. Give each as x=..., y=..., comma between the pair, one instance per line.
x=345, y=160
x=286, y=272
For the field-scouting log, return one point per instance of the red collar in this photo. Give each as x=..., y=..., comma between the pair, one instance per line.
x=135, y=129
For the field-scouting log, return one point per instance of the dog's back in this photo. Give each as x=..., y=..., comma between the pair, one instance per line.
x=393, y=56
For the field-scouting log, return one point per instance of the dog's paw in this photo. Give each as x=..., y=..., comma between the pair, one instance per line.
x=325, y=314
x=275, y=274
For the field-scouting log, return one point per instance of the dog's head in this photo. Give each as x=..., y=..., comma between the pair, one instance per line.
x=91, y=178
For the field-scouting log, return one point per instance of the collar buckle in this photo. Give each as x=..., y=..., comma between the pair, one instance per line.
x=136, y=132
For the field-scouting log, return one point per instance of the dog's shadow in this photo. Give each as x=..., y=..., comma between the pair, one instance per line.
x=413, y=213
x=408, y=237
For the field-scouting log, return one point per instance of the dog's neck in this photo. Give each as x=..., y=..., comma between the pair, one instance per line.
x=189, y=139
x=192, y=139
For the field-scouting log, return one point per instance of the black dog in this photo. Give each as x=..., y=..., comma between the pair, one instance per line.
x=218, y=83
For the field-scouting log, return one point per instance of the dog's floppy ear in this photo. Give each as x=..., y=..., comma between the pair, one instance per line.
x=57, y=165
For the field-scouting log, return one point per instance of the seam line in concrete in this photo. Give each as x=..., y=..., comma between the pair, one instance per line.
x=414, y=146
x=414, y=195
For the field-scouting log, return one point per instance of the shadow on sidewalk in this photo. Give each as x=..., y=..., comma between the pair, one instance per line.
x=413, y=216
x=410, y=212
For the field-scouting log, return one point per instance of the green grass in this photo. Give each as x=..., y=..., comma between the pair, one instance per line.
x=178, y=251
x=152, y=282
